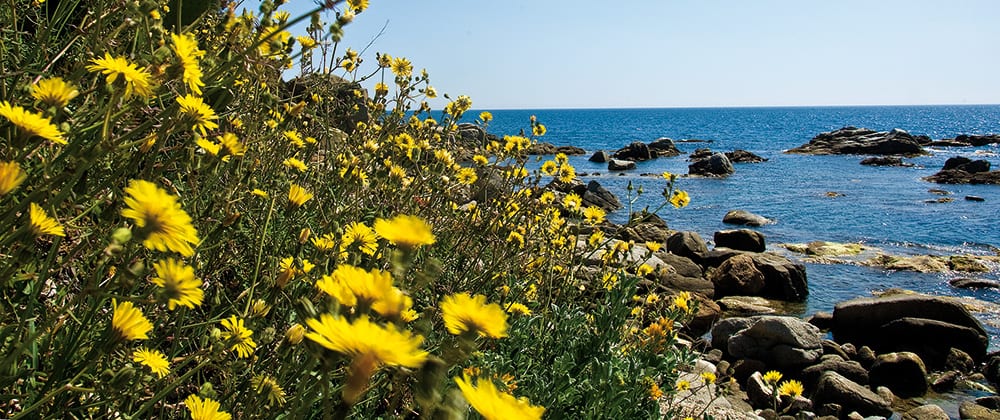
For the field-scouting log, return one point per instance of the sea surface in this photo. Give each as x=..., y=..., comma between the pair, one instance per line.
x=883, y=207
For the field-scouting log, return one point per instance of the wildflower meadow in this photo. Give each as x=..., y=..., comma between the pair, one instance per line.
x=187, y=234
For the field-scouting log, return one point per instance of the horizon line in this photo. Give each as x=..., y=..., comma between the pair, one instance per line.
x=559, y=108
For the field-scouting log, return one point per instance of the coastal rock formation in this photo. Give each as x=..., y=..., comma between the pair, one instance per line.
x=885, y=161
x=966, y=283
x=926, y=325
x=599, y=156
x=717, y=165
x=636, y=151
x=962, y=170
x=700, y=153
x=743, y=156
x=620, y=165
x=834, y=388
x=779, y=341
x=903, y=372
x=687, y=244
x=664, y=147
x=551, y=149
x=761, y=274
x=592, y=193
x=743, y=217
x=862, y=141
x=741, y=239
x=965, y=140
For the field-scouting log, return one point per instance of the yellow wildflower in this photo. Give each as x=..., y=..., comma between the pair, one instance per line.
x=202, y=115
x=296, y=164
x=209, y=146
x=54, y=91
x=486, y=116
x=267, y=385
x=186, y=48
x=708, y=377
x=158, y=215
x=153, y=359
x=11, y=176
x=464, y=313
x=518, y=308
x=572, y=202
x=682, y=301
x=42, y=224
x=466, y=176
x=232, y=144
x=359, y=234
x=401, y=67
x=207, y=409
x=772, y=377
x=295, y=334
x=30, y=123
x=243, y=344
x=593, y=215
x=680, y=199
x=493, y=404
x=297, y=196
x=566, y=173
x=791, y=388
x=480, y=160
x=294, y=137
x=358, y=5
x=307, y=42
x=129, y=322
x=683, y=385
x=180, y=286
x=405, y=231
x=353, y=286
x=136, y=78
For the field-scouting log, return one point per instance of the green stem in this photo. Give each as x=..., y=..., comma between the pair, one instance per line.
x=169, y=388
x=260, y=255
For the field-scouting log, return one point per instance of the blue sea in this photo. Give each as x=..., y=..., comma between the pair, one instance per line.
x=883, y=207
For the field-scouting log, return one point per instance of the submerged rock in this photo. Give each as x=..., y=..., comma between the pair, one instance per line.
x=743, y=217
x=862, y=141
x=885, y=161
x=551, y=149
x=600, y=156
x=743, y=156
x=962, y=170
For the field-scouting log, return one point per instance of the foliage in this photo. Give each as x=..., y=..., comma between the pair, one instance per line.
x=184, y=233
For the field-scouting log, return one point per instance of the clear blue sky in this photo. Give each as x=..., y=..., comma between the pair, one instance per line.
x=662, y=53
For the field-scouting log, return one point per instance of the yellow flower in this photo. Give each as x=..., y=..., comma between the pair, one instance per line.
x=653, y=246
x=708, y=377
x=381, y=89
x=324, y=243
x=683, y=385
x=466, y=176
x=294, y=163
x=266, y=385
x=307, y=42
x=791, y=388
x=260, y=193
x=294, y=137
x=593, y=215
x=518, y=308
x=486, y=116
x=772, y=377
x=405, y=231
x=353, y=286
x=668, y=176
x=240, y=335
x=480, y=160
x=153, y=359
x=360, y=234
x=654, y=391
x=186, y=48
x=550, y=167
x=199, y=112
x=358, y=5
x=30, y=123
x=42, y=224
x=572, y=202
x=680, y=199
x=394, y=305
x=431, y=92
x=297, y=196
x=538, y=130
x=463, y=313
x=369, y=345
x=643, y=270
x=493, y=404
x=567, y=173
x=54, y=91
x=232, y=144
x=179, y=284
x=682, y=301
x=129, y=322
x=516, y=143
x=136, y=78
x=207, y=409
x=274, y=41
x=209, y=146
x=295, y=334
x=11, y=176
x=158, y=215
x=401, y=67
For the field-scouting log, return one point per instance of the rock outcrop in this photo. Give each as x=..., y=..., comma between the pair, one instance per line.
x=862, y=141
x=717, y=165
x=664, y=147
x=962, y=170
x=761, y=274
x=551, y=149
x=785, y=343
x=636, y=151
x=743, y=217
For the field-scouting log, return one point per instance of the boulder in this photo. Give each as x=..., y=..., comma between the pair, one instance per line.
x=966, y=263
x=746, y=306
x=975, y=198
x=743, y=156
x=902, y=372
x=969, y=410
x=682, y=265
x=959, y=361
x=834, y=388
x=926, y=325
x=760, y=274
x=700, y=153
x=926, y=412
x=962, y=170
x=785, y=343
x=759, y=392
x=663, y=147
x=687, y=244
x=620, y=165
x=719, y=255
x=597, y=195
x=849, y=369
x=738, y=276
x=726, y=328
x=743, y=217
x=673, y=281
x=861, y=141
x=600, y=156
x=967, y=283
x=551, y=149
x=945, y=382
x=978, y=139
x=992, y=369
x=717, y=165
x=741, y=239
x=965, y=164
x=884, y=161
x=636, y=151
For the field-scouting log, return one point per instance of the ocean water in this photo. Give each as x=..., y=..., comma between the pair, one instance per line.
x=883, y=207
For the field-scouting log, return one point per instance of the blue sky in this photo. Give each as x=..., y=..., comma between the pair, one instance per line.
x=695, y=53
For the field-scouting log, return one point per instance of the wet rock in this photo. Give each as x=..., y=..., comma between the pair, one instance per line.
x=834, y=388
x=849, y=369
x=902, y=372
x=966, y=283
x=967, y=264
x=663, y=147
x=740, y=239
x=745, y=306
x=972, y=411
x=959, y=360
x=962, y=170
x=965, y=164
x=926, y=325
x=978, y=139
x=620, y=165
x=991, y=402
x=861, y=141
x=743, y=156
x=738, y=276
x=918, y=263
x=945, y=382
x=687, y=244
x=717, y=165
x=992, y=369
x=599, y=156
x=551, y=149
x=975, y=198
x=726, y=328
x=926, y=412
x=699, y=154
x=884, y=161
x=782, y=342
x=938, y=191
x=743, y=217
x=636, y=151
x=822, y=320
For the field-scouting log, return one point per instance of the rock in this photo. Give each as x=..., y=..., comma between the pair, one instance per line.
x=959, y=360
x=682, y=265
x=955, y=162
x=822, y=320
x=600, y=156
x=938, y=191
x=636, y=151
x=885, y=161
x=726, y=328
x=785, y=343
x=962, y=170
x=966, y=283
x=744, y=368
x=903, y=372
x=741, y=239
x=834, y=388
x=675, y=281
x=861, y=141
x=918, y=263
x=699, y=154
x=783, y=279
x=597, y=195
x=926, y=412
x=718, y=165
x=978, y=139
x=940, y=200
x=745, y=306
x=743, y=217
x=829, y=410
x=719, y=255
x=972, y=411
x=663, y=147
x=708, y=313
x=886, y=394
x=849, y=369
x=945, y=382
x=866, y=356
x=975, y=198
x=738, y=276
x=831, y=348
x=620, y=165
x=926, y=325
x=551, y=149
x=743, y=156
x=967, y=264
x=759, y=392
x=833, y=194
x=992, y=369
x=991, y=402
x=965, y=164
x=687, y=244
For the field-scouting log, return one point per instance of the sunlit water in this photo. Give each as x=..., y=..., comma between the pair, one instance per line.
x=884, y=207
